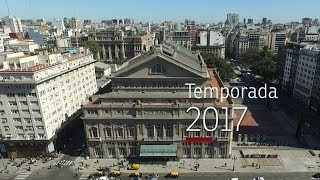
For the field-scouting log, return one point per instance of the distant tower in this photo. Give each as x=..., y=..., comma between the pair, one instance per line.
x=244, y=20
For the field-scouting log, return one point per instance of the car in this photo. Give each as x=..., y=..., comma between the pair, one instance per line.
x=99, y=173
x=234, y=179
x=133, y=166
x=258, y=178
x=136, y=174
x=152, y=176
x=317, y=175
x=172, y=175
x=115, y=174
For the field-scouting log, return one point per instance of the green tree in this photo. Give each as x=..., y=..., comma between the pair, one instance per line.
x=250, y=56
x=93, y=47
x=222, y=66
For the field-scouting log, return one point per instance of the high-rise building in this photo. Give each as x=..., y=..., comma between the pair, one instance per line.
x=232, y=20
x=14, y=23
x=250, y=21
x=305, y=78
x=307, y=21
x=264, y=21
x=126, y=21
x=76, y=23
x=38, y=96
x=276, y=40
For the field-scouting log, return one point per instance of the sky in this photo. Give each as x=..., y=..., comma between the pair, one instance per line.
x=202, y=11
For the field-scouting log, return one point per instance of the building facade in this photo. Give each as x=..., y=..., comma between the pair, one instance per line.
x=116, y=44
x=308, y=60
x=183, y=38
x=145, y=116
x=212, y=42
x=38, y=95
x=14, y=23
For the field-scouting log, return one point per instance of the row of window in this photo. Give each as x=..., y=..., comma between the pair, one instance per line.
x=27, y=128
x=21, y=94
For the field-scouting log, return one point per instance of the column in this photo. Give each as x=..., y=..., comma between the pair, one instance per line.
x=122, y=50
x=110, y=52
x=116, y=50
x=103, y=52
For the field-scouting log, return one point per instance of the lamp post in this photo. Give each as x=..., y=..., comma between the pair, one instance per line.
x=234, y=162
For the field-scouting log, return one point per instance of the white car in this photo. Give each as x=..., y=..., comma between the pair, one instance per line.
x=258, y=178
x=234, y=179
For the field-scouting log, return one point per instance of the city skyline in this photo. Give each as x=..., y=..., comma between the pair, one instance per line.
x=154, y=11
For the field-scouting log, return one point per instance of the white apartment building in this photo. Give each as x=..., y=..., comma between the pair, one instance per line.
x=38, y=95
x=212, y=42
x=14, y=23
x=305, y=72
x=275, y=40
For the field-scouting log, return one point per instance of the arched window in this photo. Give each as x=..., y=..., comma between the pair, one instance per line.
x=158, y=69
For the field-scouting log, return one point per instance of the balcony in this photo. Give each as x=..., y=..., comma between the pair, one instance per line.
x=222, y=139
x=157, y=139
x=94, y=139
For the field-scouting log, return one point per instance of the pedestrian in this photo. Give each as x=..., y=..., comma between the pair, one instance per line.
x=259, y=166
x=97, y=161
x=225, y=164
x=252, y=164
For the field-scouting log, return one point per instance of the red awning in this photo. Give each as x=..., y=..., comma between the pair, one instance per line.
x=199, y=139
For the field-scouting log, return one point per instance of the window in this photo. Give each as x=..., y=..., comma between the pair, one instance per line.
x=12, y=103
x=4, y=120
x=38, y=119
x=2, y=112
x=21, y=94
x=132, y=151
x=18, y=127
x=94, y=132
x=108, y=132
x=197, y=152
x=1, y=103
x=120, y=132
x=111, y=152
x=131, y=132
x=122, y=152
x=17, y=119
x=186, y=152
x=10, y=94
x=150, y=132
x=14, y=111
x=197, y=134
x=6, y=128
x=158, y=69
x=39, y=127
x=32, y=94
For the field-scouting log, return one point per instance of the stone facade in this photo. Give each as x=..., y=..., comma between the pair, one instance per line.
x=148, y=106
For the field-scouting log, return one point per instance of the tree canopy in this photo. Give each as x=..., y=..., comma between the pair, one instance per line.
x=262, y=62
x=222, y=66
x=93, y=47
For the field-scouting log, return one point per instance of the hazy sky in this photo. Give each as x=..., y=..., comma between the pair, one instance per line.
x=158, y=10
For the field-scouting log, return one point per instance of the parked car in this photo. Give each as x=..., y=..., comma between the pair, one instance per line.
x=317, y=175
x=258, y=178
x=172, y=175
x=133, y=166
x=136, y=174
x=152, y=176
x=115, y=174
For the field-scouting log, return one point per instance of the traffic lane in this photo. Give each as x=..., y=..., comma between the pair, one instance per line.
x=241, y=176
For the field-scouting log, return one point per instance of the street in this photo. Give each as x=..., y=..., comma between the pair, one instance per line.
x=65, y=174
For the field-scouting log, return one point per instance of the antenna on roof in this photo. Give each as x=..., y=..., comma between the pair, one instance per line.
x=8, y=8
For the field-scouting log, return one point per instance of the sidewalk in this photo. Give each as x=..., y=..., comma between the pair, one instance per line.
x=13, y=170
x=290, y=161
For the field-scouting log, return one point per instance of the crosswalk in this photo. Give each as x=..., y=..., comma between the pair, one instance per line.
x=63, y=163
x=84, y=176
x=23, y=175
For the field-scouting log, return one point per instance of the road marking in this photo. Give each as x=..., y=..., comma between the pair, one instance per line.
x=23, y=175
x=84, y=176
